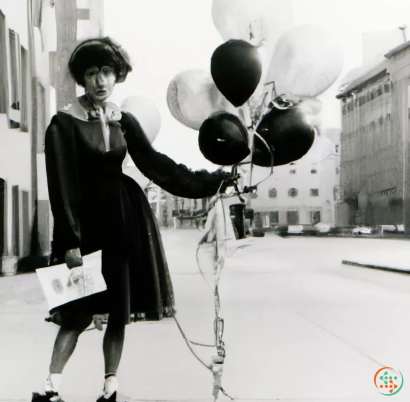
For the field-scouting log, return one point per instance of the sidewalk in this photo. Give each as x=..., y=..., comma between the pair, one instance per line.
x=299, y=327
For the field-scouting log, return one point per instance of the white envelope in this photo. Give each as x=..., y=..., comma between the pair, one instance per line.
x=60, y=288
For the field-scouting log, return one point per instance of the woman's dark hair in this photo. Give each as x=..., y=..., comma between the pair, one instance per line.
x=99, y=52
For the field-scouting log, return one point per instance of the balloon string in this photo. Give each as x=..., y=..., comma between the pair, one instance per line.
x=188, y=344
x=219, y=344
x=199, y=266
x=271, y=158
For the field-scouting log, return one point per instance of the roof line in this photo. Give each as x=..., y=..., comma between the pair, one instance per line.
x=397, y=50
x=363, y=84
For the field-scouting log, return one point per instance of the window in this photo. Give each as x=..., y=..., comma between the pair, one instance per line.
x=293, y=192
x=361, y=101
x=25, y=220
x=386, y=87
x=24, y=90
x=272, y=193
x=337, y=148
x=14, y=102
x=14, y=67
x=16, y=221
x=292, y=171
x=42, y=117
x=292, y=217
x=274, y=217
x=313, y=171
x=314, y=192
x=379, y=91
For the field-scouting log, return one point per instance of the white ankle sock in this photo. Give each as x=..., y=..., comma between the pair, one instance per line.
x=53, y=383
x=110, y=386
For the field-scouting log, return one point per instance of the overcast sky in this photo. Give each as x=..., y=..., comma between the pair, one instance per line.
x=166, y=37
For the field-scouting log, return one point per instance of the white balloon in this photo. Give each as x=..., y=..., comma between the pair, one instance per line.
x=255, y=21
x=306, y=61
x=311, y=106
x=321, y=149
x=259, y=22
x=146, y=113
x=312, y=109
x=193, y=96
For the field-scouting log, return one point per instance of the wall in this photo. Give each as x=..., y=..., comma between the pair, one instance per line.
x=15, y=169
x=15, y=154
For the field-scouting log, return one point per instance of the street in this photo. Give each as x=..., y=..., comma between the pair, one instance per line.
x=299, y=326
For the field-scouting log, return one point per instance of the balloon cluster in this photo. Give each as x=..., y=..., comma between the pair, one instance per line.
x=234, y=102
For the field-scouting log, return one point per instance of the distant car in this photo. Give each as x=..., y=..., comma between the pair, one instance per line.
x=391, y=228
x=302, y=230
x=322, y=227
x=362, y=230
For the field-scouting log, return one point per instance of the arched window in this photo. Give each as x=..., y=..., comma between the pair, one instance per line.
x=293, y=192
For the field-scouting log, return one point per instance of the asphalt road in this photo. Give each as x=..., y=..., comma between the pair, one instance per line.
x=299, y=326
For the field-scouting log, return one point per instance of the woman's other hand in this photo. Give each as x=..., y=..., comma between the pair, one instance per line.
x=73, y=258
x=98, y=321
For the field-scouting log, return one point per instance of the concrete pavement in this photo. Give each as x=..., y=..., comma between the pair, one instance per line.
x=299, y=327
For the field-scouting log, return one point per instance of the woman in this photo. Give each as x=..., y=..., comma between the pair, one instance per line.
x=96, y=207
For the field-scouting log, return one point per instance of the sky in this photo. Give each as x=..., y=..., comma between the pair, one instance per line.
x=166, y=37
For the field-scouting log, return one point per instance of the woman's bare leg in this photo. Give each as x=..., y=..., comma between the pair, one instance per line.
x=113, y=343
x=72, y=325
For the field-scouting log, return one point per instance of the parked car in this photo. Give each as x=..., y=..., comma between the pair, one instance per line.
x=362, y=230
x=295, y=230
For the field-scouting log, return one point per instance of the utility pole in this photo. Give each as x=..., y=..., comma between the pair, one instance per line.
x=66, y=16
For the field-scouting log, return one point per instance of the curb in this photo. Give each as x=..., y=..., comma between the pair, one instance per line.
x=373, y=266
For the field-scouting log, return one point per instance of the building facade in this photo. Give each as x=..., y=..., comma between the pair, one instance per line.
x=303, y=192
x=375, y=185
x=36, y=39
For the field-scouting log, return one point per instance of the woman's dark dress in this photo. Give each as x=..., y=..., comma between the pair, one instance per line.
x=96, y=207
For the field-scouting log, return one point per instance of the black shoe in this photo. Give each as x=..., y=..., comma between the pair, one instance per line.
x=112, y=398
x=47, y=397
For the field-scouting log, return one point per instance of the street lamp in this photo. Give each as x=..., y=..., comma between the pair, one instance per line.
x=403, y=30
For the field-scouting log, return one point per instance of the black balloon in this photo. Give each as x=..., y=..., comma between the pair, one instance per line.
x=223, y=139
x=287, y=132
x=236, y=69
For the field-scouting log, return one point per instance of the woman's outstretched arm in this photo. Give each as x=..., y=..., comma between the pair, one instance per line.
x=174, y=178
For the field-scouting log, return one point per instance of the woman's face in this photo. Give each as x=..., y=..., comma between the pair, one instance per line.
x=99, y=83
